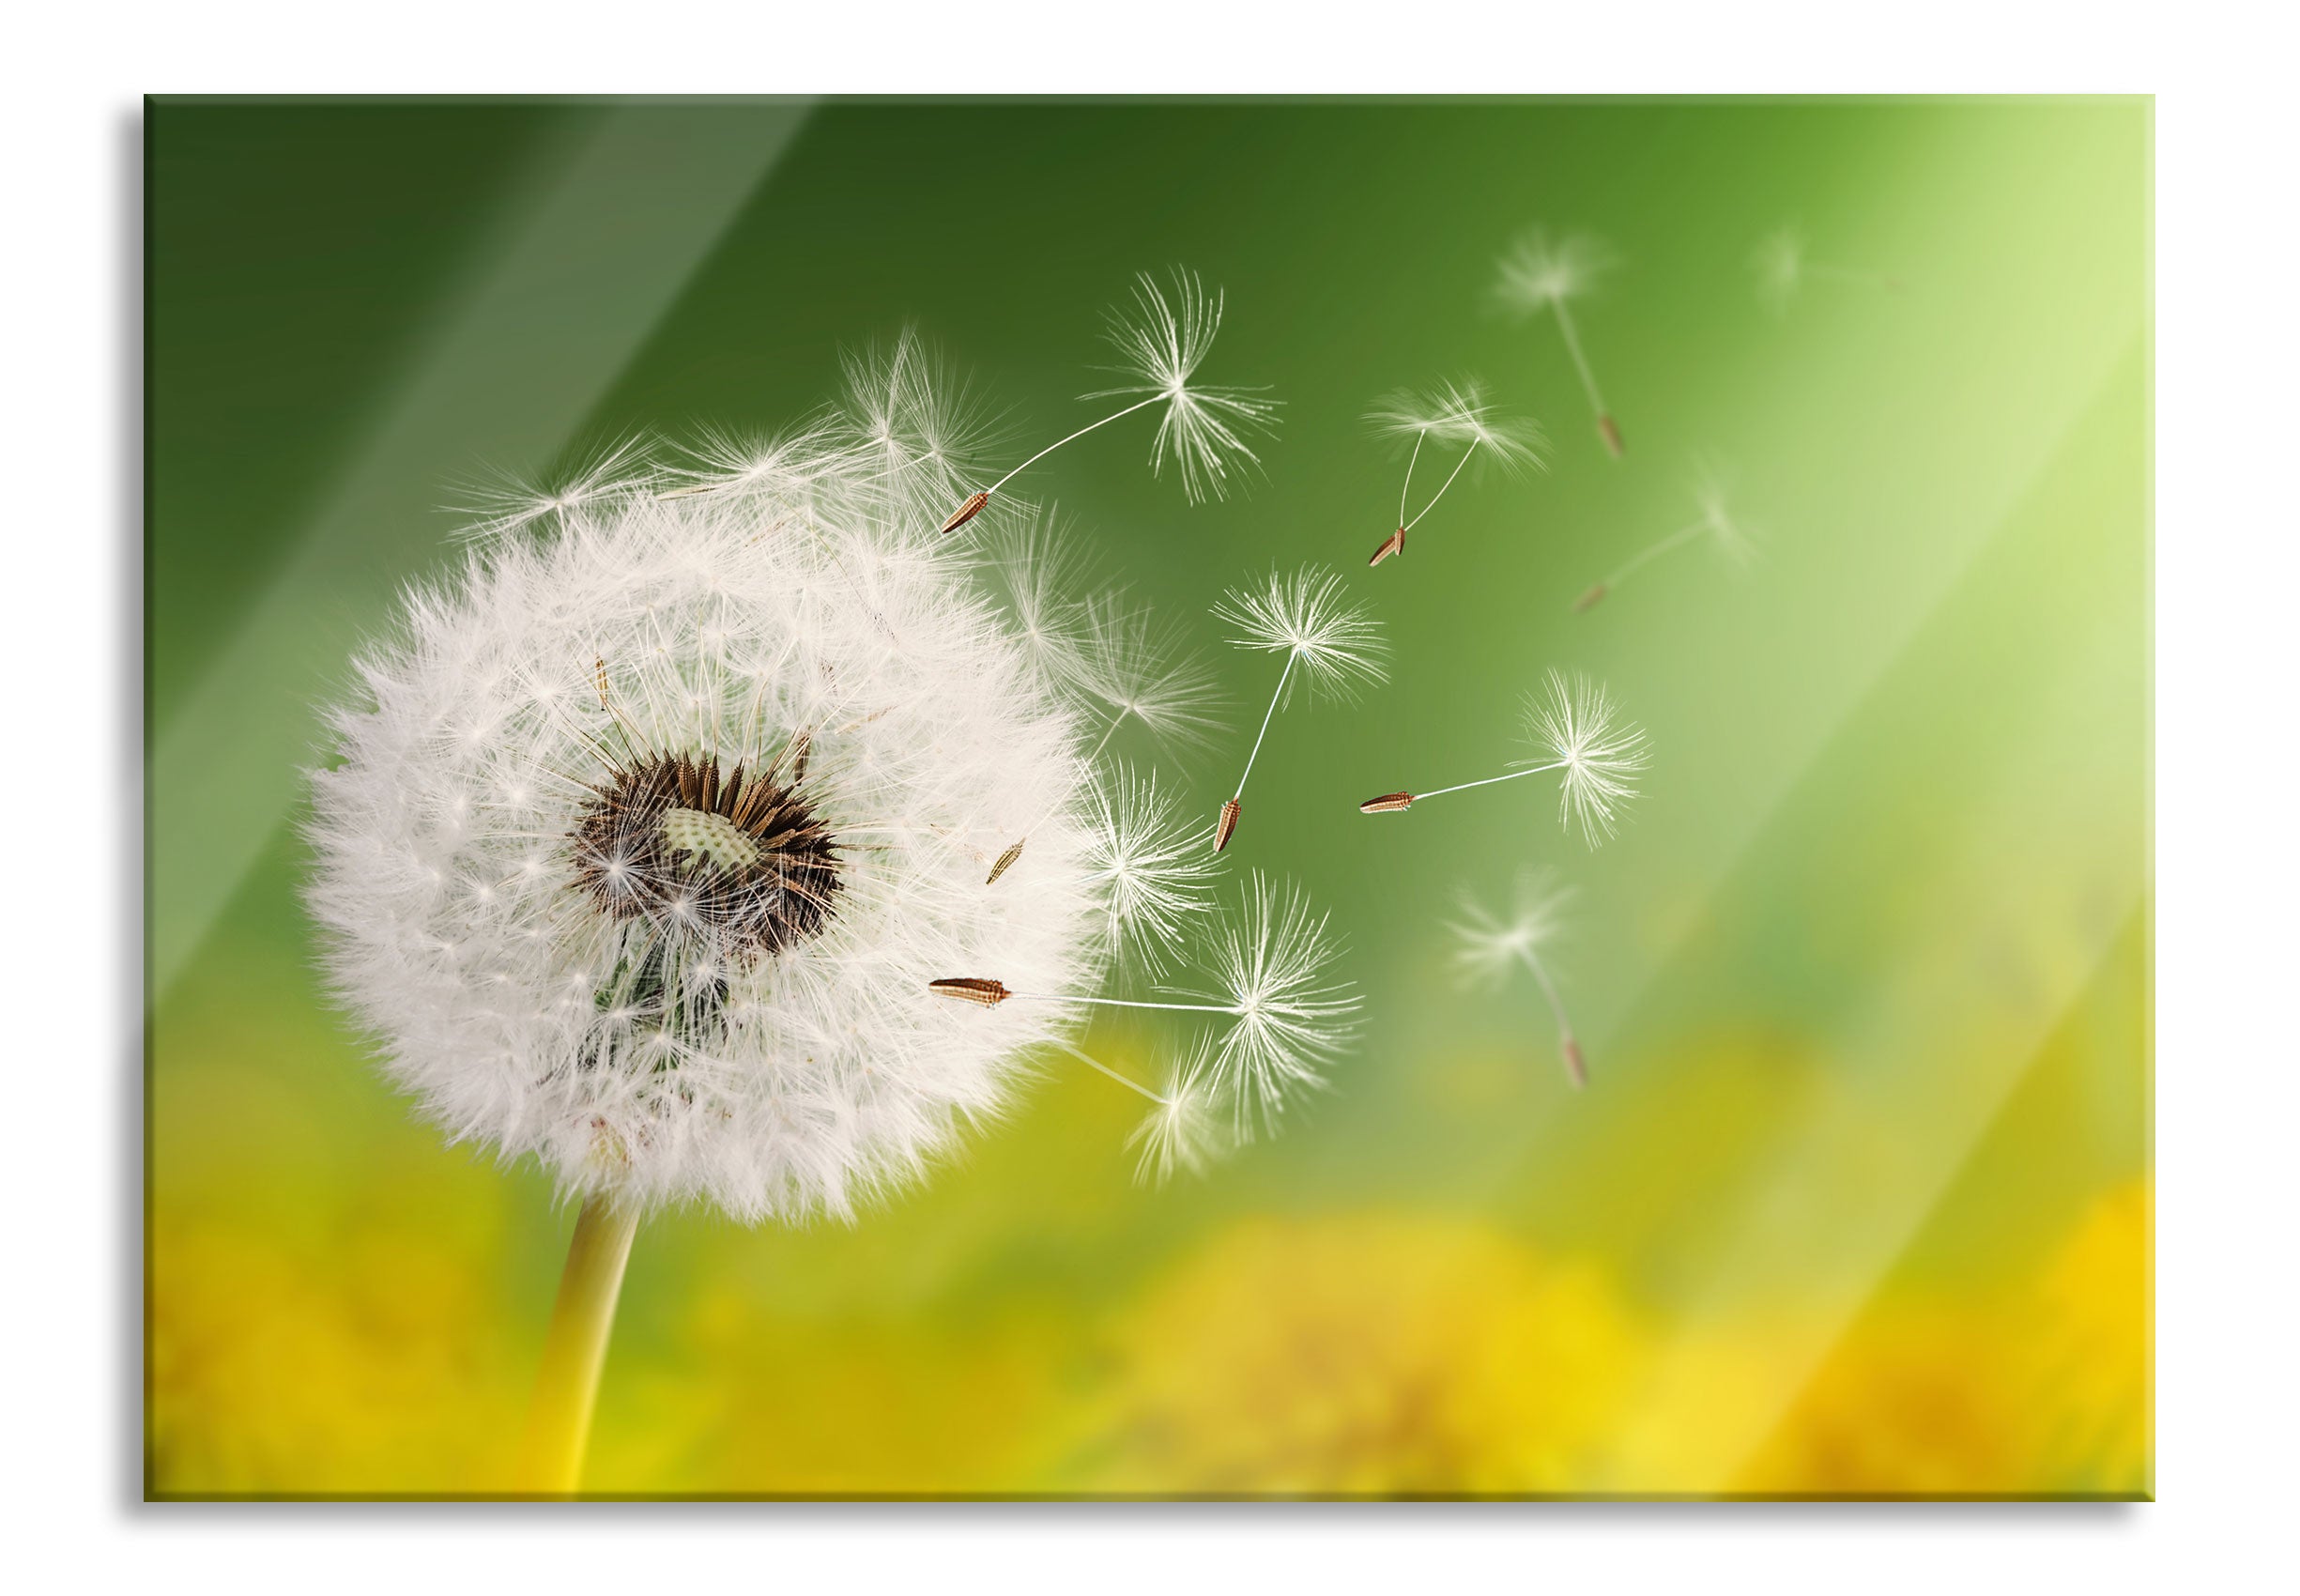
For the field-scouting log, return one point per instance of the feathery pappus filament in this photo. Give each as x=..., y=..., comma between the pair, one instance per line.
x=1488, y=947
x=1784, y=264
x=1182, y=1130
x=1579, y=733
x=1451, y=413
x=1541, y=274
x=1162, y=339
x=1281, y=1017
x=1115, y=658
x=1713, y=523
x=1330, y=646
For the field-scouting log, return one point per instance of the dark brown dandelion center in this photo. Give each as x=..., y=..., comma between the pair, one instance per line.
x=744, y=861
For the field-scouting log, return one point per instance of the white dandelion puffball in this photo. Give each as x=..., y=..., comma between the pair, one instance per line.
x=654, y=822
x=1578, y=729
x=1460, y=412
x=1541, y=270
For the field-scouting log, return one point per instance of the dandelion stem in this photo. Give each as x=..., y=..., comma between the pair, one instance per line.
x=1124, y=1002
x=1115, y=721
x=1660, y=549
x=1512, y=775
x=1130, y=1085
x=1581, y=364
x=1408, y=488
x=1466, y=455
x=1549, y=992
x=575, y=1348
x=1291, y=654
x=1081, y=432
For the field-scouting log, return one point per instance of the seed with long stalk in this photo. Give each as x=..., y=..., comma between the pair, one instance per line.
x=1490, y=946
x=1137, y=670
x=1150, y=867
x=1541, y=274
x=1286, y=1018
x=1784, y=264
x=1578, y=732
x=1714, y=522
x=1449, y=414
x=1331, y=647
x=1181, y=1130
x=1161, y=344
x=1117, y=660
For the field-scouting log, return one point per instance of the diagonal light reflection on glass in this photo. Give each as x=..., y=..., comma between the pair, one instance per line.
x=603, y=252
x=1837, y=1207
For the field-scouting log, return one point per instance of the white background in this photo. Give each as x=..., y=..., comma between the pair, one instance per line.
x=2228, y=606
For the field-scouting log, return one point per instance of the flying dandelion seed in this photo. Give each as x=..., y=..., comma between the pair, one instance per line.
x=1161, y=343
x=916, y=424
x=1714, y=523
x=1449, y=414
x=504, y=505
x=1182, y=1130
x=1338, y=645
x=1784, y=265
x=1150, y=868
x=1579, y=732
x=650, y=827
x=1137, y=672
x=1287, y=1020
x=1489, y=947
x=1118, y=663
x=1117, y=659
x=1540, y=274
x=728, y=462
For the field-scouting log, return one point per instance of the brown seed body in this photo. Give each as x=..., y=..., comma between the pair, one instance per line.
x=1574, y=1066
x=1589, y=599
x=1611, y=435
x=968, y=511
x=783, y=890
x=1393, y=544
x=1005, y=860
x=1226, y=825
x=973, y=989
x=1386, y=802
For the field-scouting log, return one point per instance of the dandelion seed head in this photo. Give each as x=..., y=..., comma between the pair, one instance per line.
x=1575, y=724
x=723, y=462
x=1039, y=567
x=1489, y=947
x=1184, y=1130
x=648, y=831
x=1160, y=340
x=916, y=428
x=1726, y=532
x=1458, y=411
x=1114, y=656
x=1136, y=668
x=504, y=505
x=1541, y=272
x=1151, y=866
x=1292, y=1017
x=1779, y=262
x=1337, y=645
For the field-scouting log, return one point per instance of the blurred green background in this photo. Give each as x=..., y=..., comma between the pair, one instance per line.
x=1857, y=1201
